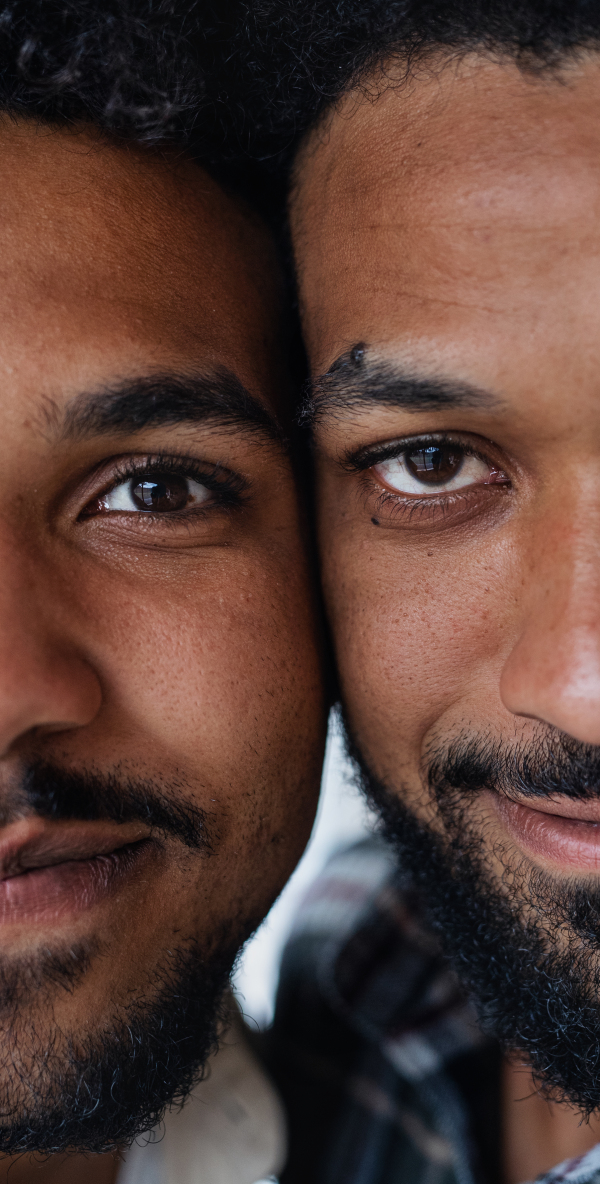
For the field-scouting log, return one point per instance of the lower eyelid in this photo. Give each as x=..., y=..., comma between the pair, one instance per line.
x=432, y=496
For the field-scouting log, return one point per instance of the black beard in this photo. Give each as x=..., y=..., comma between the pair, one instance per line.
x=528, y=949
x=47, y=791
x=96, y=1090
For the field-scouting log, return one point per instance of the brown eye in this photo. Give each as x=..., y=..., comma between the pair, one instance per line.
x=435, y=464
x=161, y=494
x=436, y=468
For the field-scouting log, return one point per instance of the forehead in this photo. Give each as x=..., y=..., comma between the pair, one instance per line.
x=451, y=205
x=115, y=258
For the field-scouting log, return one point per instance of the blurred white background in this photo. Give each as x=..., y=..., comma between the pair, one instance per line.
x=343, y=817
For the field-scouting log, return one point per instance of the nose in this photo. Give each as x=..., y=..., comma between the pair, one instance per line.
x=46, y=683
x=552, y=673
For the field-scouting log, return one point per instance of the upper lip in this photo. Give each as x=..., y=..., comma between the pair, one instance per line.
x=582, y=810
x=35, y=842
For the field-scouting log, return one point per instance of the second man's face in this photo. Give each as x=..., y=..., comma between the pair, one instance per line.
x=447, y=241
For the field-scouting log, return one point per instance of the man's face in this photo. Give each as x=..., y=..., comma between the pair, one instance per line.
x=161, y=708
x=447, y=237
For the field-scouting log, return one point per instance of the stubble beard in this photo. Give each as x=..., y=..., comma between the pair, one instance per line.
x=96, y=1087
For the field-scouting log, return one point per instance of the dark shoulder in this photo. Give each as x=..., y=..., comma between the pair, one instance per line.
x=313, y=1047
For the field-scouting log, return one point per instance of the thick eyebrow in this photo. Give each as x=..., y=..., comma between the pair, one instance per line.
x=354, y=381
x=165, y=400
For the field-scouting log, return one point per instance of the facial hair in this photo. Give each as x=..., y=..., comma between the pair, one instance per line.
x=526, y=946
x=96, y=1090
x=47, y=791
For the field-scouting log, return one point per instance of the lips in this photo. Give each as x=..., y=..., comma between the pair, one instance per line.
x=49, y=871
x=561, y=831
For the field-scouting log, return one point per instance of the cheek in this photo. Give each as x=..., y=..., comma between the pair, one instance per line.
x=216, y=676
x=212, y=688
x=420, y=632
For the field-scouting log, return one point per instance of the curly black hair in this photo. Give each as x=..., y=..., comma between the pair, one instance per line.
x=238, y=82
x=146, y=70
x=294, y=58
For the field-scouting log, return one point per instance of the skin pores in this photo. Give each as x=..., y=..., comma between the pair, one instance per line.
x=174, y=647
x=447, y=244
x=450, y=229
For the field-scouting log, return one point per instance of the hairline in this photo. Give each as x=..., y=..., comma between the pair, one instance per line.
x=371, y=80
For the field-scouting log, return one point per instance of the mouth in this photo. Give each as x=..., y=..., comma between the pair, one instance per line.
x=558, y=830
x=50, y=870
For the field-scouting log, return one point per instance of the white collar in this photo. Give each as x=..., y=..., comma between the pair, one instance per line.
x=230, y=1131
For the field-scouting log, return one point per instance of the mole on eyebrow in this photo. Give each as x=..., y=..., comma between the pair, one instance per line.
x=165, y=400
x=354, y=381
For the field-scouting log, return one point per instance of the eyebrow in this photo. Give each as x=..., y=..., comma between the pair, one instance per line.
x=354, y=381
x=166, y=400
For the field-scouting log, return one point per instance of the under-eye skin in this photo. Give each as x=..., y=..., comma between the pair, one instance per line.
x=159, y=487
x=435, y=473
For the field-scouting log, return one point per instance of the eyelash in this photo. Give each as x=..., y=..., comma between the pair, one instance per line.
x=228, y=489
x=363, y=460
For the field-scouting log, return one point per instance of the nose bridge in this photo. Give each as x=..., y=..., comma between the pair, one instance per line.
x=25, y=595
x=45, y=683
x=553, y=670
x=565, y=574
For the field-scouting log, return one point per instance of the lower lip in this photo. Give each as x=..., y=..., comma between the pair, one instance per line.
x=568, y=842
x=47, y=894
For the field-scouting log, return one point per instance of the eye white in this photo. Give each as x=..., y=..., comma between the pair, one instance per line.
x=121, y=496
x=397, y=476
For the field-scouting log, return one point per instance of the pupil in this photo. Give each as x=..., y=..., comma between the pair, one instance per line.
x=161, y=494
x=435, y=464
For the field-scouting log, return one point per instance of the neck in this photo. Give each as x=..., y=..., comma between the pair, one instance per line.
x=59, y=1169
x=538, y=1134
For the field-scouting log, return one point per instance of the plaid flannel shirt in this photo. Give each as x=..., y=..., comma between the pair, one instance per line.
x=383, y=1069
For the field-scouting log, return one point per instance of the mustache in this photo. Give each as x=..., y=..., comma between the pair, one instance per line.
x=67, y=795
x=548, y=765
